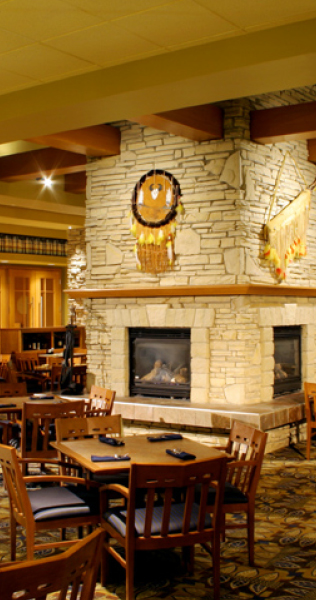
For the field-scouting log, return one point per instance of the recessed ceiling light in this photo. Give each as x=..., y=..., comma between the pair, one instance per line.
x=47, y=182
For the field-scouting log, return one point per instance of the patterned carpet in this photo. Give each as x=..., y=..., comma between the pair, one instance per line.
x=285, y=545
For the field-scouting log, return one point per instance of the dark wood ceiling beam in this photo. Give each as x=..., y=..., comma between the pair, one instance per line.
x=271, y=125
x=311, y=144
x=197, y=123
x=38, y=163
x=75, y=183
x=100, y=140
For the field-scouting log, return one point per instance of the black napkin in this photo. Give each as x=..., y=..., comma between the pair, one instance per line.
x=181, y=454
x=164, y=437
x=95, y=458
x=111, y=441
x=7, y=405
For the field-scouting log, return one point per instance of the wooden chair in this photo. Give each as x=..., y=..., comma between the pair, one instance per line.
x=68, y=503
x=246, y=446
x=8, y=389
x=80, y=428
x=79, y=375
x=10, y=416
x=310, y=414
x=55, y=375
x=26, y=371
x=167, y=525
x=38, y=428
x=100, y=402
x=4, y=372
x=74, y=569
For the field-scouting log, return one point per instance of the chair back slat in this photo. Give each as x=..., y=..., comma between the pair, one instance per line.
x=75, y=568
x=8, y=389
x=100, y=401
x=88, y=427
x=247, y=445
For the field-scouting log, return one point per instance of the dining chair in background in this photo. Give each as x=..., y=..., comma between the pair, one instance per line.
x=310, y=414
x=89, y=427
x=246, y=447
x=167, y=523
x=101, y=402
x=10, y=415
x=68, y=502
x=76, y=569
x=38, y=428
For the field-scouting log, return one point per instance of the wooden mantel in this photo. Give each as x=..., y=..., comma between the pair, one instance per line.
x=198, y=290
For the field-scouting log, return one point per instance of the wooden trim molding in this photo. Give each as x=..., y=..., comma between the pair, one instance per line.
x=199, y=290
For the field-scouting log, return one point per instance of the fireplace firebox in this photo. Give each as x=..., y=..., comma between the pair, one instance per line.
x=287, y=359
x=160, y=362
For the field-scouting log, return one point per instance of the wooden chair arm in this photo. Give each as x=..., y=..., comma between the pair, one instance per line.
x=115, y=487
x=241, y=463
x=60, y=479
x=111, y=487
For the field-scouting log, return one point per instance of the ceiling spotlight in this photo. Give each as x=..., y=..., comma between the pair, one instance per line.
x=48, y=182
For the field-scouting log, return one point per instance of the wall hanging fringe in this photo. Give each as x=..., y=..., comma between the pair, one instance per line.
x=286, y=232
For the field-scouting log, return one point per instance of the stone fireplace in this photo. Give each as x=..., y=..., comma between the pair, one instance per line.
x=221, y=288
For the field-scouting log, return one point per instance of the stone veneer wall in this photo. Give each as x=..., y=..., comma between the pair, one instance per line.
x=77, y=264
x=227, y=186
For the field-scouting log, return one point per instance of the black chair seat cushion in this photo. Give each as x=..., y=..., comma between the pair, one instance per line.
x=117, y=518
x=57, y=502
x=232, y=495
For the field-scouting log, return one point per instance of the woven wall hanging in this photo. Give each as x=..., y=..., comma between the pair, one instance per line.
x=155, y=206
x=286, y=232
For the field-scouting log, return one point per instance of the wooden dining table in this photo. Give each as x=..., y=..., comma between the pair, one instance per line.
x=17, y=402
x=137, y=447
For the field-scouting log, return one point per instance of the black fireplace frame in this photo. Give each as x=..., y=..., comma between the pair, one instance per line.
x=291, y=383
x=166, y=390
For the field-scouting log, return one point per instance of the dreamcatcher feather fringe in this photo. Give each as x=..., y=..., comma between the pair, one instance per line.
x=154, y=248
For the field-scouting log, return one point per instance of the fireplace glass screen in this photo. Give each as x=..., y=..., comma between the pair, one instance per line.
x=160, y=362
x=287, y=359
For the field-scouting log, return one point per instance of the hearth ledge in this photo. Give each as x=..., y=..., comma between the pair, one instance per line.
x=282, y=411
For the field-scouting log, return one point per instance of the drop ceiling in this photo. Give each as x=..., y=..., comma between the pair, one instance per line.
x=75, y=64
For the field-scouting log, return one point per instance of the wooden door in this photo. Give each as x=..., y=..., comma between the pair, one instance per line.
x=3, y=299
x=48, y=298
x=22, y=298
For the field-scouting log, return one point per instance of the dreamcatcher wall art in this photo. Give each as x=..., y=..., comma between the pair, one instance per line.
x=155, y=207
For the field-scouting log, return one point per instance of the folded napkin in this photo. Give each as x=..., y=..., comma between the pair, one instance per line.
x=95, y=458
x=164, y=437
x=111, y=441
x=181, y=454
x=7, y=405
x=42, y=397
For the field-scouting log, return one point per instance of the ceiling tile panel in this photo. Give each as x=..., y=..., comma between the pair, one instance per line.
x=12, y=41
x=249, y=14
x=41, y=62
x=178, y=23
x=39, y=19
x=108, y=10
x=10, y=81
x=104, y=45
